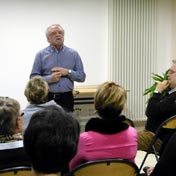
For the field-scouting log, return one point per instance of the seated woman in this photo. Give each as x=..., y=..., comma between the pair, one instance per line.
x=36, y=92
x=11, y=141
x=107, y=136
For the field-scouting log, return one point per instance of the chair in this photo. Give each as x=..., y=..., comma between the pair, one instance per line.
x=16, y=171
x=167, y=124
x=129, y=122
x=106, y=167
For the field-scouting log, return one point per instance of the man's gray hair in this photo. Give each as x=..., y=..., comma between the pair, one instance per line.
x=54, y=25
x=174, y=61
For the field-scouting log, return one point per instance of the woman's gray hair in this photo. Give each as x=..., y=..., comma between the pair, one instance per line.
x=9, y=112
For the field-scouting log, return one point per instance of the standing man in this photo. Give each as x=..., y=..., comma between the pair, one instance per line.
x=60, y=66
x=159, y=109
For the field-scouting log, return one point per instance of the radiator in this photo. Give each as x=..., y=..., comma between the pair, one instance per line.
x=132, y=52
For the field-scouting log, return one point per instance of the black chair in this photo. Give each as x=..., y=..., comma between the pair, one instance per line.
x=167, y=124
x=129, y=122
x=106, y=167
x=16, y=171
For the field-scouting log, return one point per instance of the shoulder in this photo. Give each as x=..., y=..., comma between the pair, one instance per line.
x=132, y=131
x=46, y=104
x=173, y=94
x=92, y=123
x=89, y=137
x=31, y=107
x=69, y=50
x=170, y=98
x=47, y=49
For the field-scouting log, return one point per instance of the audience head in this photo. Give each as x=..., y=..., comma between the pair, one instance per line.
x=110, y=99
x=55, y=35
x=172, y=75
x=36, y=90
x=10, y=119
x=51, y=139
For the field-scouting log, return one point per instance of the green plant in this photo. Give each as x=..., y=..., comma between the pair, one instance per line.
x=157, y=78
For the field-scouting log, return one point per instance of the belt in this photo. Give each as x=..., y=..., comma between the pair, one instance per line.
x=56, y=94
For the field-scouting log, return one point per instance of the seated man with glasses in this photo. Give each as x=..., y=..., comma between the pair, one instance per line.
x=159, y=109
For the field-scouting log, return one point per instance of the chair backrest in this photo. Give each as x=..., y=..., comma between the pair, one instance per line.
x=129, y=122
x=106, y=167
x=170, y=123
x=16, y=171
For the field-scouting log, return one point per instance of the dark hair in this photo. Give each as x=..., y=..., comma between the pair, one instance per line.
x=51, y=139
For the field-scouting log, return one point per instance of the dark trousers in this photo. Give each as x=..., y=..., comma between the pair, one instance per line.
x=64, y=99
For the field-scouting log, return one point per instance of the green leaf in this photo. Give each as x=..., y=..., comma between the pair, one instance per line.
x=150, y=89
x=156, y=78
x=165, y=75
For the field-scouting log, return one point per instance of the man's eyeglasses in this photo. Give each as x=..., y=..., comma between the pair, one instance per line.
x=171, y=71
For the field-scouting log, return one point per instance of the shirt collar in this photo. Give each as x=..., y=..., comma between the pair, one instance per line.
x=53, y=49
x=11, y=145
x=171, y=91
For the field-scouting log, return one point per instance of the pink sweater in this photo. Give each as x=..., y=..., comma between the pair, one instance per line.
x=94, y=145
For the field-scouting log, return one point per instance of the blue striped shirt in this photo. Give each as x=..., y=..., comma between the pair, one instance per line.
x=67, y=58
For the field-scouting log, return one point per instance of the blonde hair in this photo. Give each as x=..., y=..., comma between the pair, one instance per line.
x=9, y=112
x=36, y=90
x=109, y=100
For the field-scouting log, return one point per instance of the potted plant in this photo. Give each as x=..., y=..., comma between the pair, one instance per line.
x=156, y=78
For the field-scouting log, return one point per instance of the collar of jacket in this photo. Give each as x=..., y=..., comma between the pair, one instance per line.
x=103, y=126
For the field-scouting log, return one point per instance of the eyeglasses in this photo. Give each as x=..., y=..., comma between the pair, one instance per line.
x=171, y=71
x=54, y=33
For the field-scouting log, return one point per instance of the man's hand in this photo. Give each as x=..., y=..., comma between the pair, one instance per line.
x=55, y=76
x=161, y=86
x=63, y=71
x=149, y=171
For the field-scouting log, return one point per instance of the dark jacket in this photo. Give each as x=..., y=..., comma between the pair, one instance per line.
x=166, y=164
x=159, y=109
x=12, y=154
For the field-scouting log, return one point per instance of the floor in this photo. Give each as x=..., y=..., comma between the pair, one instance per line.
x=150, y=161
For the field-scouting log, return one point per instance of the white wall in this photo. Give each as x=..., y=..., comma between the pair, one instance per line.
x=174, y=30
x=22, y=34
x=141, y=40
x=165, y=35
